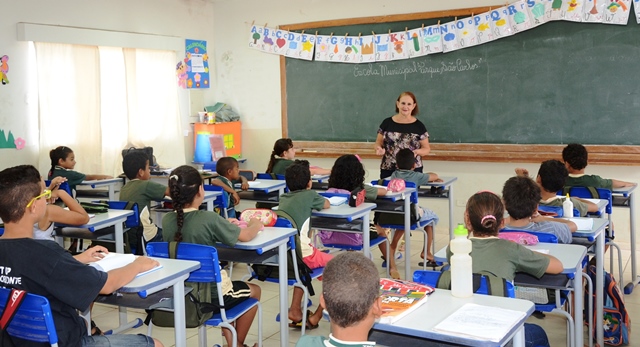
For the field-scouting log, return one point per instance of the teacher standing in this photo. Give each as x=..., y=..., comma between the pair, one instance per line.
x=403, y=130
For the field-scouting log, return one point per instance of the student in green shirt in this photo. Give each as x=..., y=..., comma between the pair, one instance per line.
x=62, y=163
x=576, y=159
x=283, y=155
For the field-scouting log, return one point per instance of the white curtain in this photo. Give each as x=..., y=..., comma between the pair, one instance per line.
x=99, y=100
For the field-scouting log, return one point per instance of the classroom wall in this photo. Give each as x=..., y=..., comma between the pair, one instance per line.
x=250, y=82
x=191, y=19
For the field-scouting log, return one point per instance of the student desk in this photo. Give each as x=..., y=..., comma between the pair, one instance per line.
x=441, y=304
x=114, y=218
x=209, y=198
x=349, y=213
x=109, y=183
x=405, y=195
x=625, y=197
x=258, y=250
x=320, y=182
x=173, y=273
x=447, y=193
x=266, y=186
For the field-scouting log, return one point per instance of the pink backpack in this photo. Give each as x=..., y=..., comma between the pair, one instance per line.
x=521, y=238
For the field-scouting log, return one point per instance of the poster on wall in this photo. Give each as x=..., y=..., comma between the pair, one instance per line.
x=8, y=141
x=4, y=69
x=197, y=61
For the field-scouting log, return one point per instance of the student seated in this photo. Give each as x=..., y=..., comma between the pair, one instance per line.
x=351, y=294
x=576, y=158
x=229, y=171
x=62, y=163
x=299, y=203
x=283, y=155
x=141, y=190
x=74, y=214
x=405, y=161
x=189, y=224
x=521, y=196
x=44, y=268
x=551, y=179
x=484, y=218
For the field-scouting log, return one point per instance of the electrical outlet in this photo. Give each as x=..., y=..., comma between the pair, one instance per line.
x=461, y=203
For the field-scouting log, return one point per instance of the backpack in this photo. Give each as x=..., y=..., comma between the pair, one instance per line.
x=262, y=271
x=94, y=207
x=198, y=305
x=616, y=320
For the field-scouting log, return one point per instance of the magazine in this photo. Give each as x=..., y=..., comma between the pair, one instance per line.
x=400, y=297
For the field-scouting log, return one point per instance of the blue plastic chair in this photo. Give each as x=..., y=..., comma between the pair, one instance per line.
x=222, y=201
x=64, y=186
x=33, y=321
x=268, y=176
x=430, y=278
x=209, y=271
x=1, y=231
x=557, y=210
x=418, y=225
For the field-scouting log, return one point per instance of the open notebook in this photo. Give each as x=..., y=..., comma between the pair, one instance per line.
x=113, y=261
x=480, y=322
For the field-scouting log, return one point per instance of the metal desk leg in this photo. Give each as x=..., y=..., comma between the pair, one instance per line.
x=366, y=240
x=579, y=302
x=451, y=223
x=518, y=337
x=284, y=297
x=179, y=319
x=407, y=238
x=628, y=289
x=210, y=205
x=119, y=238
x=112, y=191
x=599, y=288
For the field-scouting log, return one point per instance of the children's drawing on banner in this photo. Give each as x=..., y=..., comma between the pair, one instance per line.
x=259, y=39
x=381, y=42
x=413, y=44
x=617, y=12
x=348, y=49
x=636, y=8
x=4, y=69
x=466, y=29
x=537, y=9
x=281, y=41
x=592, y=11
x=432, y=39
x=367, y=49
x=483, y=27
x=572, y=10
x=397, y=45
x=450, y=39
x=556, y=9
x=300, y=46
x=500, y=23
x=519, y=17
x=197, y=61
x=322, y=47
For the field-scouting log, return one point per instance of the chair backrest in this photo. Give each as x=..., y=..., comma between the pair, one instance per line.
x=591, y=193
x=269, y=176
x=64, y=186
x=221, y=200
x=1, y=231
x=414, y=195
x=131, y=221
x=248, y=174
x=557, y=210
x=431, y=278
x=283, y=223
x=542, y=237
x=34, y=321
x=209, y=270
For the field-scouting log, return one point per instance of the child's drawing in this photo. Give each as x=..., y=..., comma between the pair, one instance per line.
x=451, y=41
x=592, y=11
x=617, y=12
x=484, y=33
x=431, y=39
x=367, y=49
x=300, y=46
x=500, y=23
x=519, y=16
x=381, y=43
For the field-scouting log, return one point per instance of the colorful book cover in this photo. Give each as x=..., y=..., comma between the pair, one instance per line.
x=400, y=297
x=432, y=39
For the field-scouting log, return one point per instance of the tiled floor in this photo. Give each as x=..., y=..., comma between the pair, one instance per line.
x=107, y=317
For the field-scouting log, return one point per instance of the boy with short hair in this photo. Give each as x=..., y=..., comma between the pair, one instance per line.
x=44, y=268
x=551, y=179
x=521, y=196
x=228, y=170
x=351, y=294
x=299, y=203
x=405, y=162
x=576, y=158
x=141, y=190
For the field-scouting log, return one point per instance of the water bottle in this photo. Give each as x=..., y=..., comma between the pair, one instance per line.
x=567, y=207
x=461, y=269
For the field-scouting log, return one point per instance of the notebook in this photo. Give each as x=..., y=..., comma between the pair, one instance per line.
x=117, y=260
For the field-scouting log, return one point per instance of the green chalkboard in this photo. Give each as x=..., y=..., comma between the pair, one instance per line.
x=557, y=83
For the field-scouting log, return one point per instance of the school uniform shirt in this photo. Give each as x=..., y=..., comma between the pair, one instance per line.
x=370, y=193
x=588, y=181
x=44, y=268
x=419, y=178
x=504, y=258
x=204, y=228
x=73, y=177
x=321, y=341
x=229, y=184
x=142, y=192
x=299, y=205
x=397, y=136
x=281, y=165
x=557, y=201
x=561, y=230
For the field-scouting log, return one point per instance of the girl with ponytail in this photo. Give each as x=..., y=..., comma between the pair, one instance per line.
x=283, y=156
x=189, y=224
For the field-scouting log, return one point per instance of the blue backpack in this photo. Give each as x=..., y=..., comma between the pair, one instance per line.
x=616, y=321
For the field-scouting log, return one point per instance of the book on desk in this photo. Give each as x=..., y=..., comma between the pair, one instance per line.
x=480, y=322
x=112, y=261
x=399, y=298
